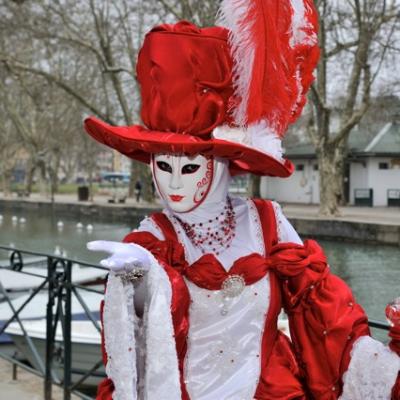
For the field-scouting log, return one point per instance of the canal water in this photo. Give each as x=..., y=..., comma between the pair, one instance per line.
x=372, y=271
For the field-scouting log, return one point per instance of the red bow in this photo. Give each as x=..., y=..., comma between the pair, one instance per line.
x=291, y=259
x=208, y=273
x=287, y=259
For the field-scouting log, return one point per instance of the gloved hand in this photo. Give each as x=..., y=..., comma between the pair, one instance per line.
x=124, y=257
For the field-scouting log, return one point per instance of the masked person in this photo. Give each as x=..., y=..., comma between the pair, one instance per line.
x=215, y=270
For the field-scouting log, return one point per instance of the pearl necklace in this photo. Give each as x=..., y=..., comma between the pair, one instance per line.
x=204, y=235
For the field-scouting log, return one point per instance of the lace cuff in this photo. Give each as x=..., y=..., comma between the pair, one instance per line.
x=372, y=371
x=161, y=371
x=119, y=335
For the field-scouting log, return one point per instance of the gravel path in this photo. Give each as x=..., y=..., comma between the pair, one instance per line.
x=26, y=387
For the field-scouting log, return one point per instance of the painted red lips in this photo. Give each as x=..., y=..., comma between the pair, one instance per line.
x=175, y=197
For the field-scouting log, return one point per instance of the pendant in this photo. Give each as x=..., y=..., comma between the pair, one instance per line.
x=233, y=286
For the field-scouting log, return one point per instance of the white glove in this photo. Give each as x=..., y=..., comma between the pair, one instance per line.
x=125, y=257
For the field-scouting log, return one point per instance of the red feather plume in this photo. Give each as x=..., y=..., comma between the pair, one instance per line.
x=274, y=47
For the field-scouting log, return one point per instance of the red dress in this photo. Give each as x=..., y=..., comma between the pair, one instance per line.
x=324, y=318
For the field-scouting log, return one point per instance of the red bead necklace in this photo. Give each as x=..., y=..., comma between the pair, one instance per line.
x=204, y=235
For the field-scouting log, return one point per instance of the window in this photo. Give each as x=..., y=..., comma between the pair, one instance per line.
x=315, y=167
x=395, y=163
x=299, y=167
x=383, y=165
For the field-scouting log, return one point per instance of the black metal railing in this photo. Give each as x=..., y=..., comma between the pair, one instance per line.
x=51, y=276
x=56, y=274
x=379, y=325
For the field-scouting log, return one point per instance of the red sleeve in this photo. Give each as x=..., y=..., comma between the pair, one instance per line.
x=324, y=318
x=395, y=346
x=396, y=389
x=106, y=387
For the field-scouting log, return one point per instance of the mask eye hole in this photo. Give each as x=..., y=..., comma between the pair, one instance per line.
x=164, y=166
x=190, y=168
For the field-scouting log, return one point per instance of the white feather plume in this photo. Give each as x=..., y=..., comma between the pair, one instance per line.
x=230, y=14
x=258, y=136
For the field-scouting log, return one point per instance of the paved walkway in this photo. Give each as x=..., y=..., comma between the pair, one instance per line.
x=374, y=215
x=26, y=387
x=73, y=199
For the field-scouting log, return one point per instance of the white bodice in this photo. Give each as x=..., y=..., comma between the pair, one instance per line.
x=224, y=351
x=223, y=358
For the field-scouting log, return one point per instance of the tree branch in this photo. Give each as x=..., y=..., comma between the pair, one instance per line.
x=317, y=99
x=15, y=65
x=340, y=47
x=169, y=9
x=109, y=57
x=356, y=116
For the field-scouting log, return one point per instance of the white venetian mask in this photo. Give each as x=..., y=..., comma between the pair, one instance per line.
x=183, y=182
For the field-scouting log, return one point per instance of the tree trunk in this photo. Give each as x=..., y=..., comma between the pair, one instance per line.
x=6, y=183
x=29, y=179
x=254, y=186
x=42, y=179
x=140, y=171
x=331, y=163
x=90, y=176
x=53, y=178
x=55, y=171
x=147, y=181
x=133, y=178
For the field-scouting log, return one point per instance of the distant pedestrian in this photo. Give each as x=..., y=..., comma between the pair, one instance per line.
x=138, y=190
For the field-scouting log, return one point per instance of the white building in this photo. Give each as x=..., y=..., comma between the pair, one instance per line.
x=372, y=178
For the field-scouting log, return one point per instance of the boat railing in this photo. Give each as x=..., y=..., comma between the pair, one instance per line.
x=60, y=288
x=56, y=281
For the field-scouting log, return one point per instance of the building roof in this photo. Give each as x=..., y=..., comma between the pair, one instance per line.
x=384, y=143
x=387, y=141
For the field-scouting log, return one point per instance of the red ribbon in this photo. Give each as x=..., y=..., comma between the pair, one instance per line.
x=287, y=259
x=208, y=273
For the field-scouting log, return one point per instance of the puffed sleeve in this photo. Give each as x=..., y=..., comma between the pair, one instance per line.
x=326, y=324
x=323, y=316
x=395, y=346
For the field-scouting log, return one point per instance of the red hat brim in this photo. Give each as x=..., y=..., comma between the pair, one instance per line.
x=138, y=143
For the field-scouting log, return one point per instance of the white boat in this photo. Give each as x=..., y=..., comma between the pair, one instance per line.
x=36, y=308
x=14, y=281
x=85, y=348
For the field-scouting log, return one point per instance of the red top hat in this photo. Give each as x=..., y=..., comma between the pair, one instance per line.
x=227, y=93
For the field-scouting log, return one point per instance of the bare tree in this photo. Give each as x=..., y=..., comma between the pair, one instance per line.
x=39, y=124
x=203, y=13
x=355, y=37
x=8, y=154
x=86, y=48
